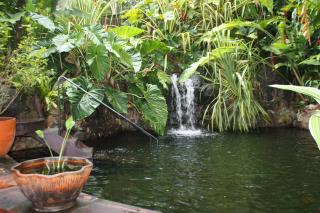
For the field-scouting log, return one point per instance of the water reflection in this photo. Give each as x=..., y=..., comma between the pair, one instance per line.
x=268, y=171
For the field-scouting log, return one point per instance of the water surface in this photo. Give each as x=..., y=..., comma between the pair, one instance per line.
x=274, y=170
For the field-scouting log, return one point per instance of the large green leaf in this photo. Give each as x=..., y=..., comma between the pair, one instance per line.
x=310, y=91
x=314, y=127
x=97, y=59
x=94, y=34
x=13, y=18
x=153, y=107
x=268, y=4
x=83, y=104
x=43, y=21
x=118, y=100
x=127, y=55
x=213, y=55
x=150, y=46
x=126, y=32
x=63, y=43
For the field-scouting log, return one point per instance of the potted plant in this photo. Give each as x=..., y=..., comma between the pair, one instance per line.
x=53, y=183
x=7, y=124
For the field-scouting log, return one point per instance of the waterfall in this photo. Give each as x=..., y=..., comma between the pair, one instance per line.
x=183, y=107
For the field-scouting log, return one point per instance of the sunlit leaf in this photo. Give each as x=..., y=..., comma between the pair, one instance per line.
x=310, y=91
x=268, y=4
x=40, y=133
x=70, y=123
x=127, y=32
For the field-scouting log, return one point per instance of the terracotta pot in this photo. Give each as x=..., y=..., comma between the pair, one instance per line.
x=50, y=193
x=7, y=134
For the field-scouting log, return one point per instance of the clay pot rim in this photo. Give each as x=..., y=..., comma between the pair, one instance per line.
x=4, y=119
x=14, y=169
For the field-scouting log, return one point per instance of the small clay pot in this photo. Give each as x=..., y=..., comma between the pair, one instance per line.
x=51, y=193
x=7, y=134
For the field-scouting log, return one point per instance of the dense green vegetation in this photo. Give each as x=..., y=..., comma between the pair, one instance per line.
x=124, y=52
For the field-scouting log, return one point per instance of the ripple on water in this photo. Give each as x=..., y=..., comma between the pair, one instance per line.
x=267, y=171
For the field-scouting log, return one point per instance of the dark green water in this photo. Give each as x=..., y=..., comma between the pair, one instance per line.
x=275, y=170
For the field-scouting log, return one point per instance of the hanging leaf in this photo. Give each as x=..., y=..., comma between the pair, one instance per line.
x=63, y=43
x=97, y=59
x=314, y=127
x=43, y=21
x=153, y=107
x=127, y=32
x=83, y=104
x=310, y=91
x=118, y=100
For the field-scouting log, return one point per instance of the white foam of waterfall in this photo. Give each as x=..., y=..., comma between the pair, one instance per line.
x=183, y=107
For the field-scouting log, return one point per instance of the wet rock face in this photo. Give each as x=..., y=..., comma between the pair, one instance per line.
x=104, y=123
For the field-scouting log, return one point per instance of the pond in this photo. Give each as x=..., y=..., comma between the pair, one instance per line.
x=273, y=170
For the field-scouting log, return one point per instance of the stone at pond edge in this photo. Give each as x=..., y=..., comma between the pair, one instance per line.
x=304, y=115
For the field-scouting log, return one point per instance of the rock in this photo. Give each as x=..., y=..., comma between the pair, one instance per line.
x=303, y=115
x=24, y=143
x=104, y=123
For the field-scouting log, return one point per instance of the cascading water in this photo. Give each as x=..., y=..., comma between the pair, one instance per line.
x=183, y=107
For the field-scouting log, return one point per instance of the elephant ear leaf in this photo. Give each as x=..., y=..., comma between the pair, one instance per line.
x=43, y=21
x=83, y=104
x=314, y=127
x=97, y=59
x=153, y=107
x=118, y=100
x=126, y=32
